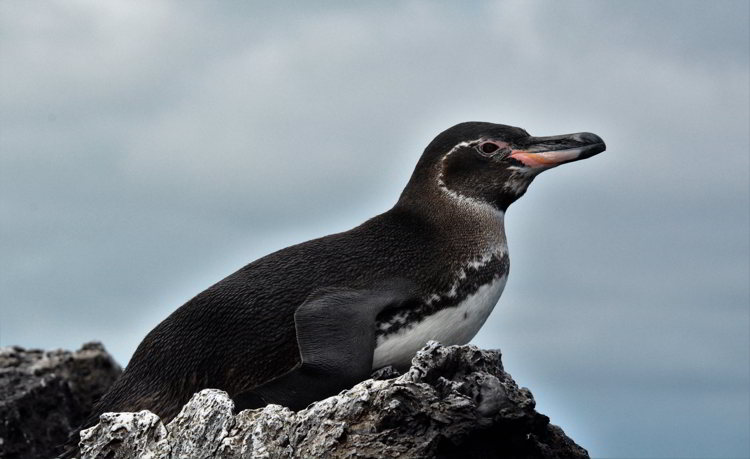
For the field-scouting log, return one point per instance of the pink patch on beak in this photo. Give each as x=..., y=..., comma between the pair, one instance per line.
x=544, y=158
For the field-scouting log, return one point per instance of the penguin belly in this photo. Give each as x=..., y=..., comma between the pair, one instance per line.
x=452, y=325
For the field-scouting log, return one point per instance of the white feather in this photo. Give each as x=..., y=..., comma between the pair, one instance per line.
x=454, y=325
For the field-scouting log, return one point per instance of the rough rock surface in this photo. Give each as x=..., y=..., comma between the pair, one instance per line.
x=454, y=402
x=44, y=395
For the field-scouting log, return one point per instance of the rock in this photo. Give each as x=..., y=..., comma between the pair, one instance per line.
x=455, y=401
x=201, y=426
x=117, y=434
x=44, y=395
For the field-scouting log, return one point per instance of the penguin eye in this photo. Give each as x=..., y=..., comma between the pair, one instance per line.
x=488, y=147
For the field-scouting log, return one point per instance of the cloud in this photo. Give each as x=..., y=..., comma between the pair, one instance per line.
x=149, y=150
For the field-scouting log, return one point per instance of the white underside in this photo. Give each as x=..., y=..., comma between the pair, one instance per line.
x=454, y=325
x=457, y=324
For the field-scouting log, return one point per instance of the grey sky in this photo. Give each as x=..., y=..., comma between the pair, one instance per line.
x=149, y=149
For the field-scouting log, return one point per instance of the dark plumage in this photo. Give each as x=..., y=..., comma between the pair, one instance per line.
x=239, y=335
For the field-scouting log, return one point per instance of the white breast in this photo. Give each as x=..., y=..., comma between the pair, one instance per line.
x=453, y=325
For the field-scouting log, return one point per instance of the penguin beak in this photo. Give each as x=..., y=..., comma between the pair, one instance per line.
x=540, y=153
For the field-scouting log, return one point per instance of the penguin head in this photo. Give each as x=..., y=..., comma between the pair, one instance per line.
x=494, y=163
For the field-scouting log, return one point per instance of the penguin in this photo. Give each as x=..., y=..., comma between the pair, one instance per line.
x=312, y=319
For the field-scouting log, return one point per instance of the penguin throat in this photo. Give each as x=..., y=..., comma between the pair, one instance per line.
x=519, y=181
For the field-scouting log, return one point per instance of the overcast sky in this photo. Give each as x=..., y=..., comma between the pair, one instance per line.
x=148, y=149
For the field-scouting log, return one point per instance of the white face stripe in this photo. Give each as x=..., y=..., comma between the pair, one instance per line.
x=441, y=183
x=461, y=200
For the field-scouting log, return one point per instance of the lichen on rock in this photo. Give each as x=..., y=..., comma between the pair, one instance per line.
x=454, y=401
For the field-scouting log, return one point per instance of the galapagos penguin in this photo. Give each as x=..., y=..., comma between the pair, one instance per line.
x=312, y=319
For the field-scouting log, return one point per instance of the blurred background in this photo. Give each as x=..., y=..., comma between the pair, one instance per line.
x=148, y=149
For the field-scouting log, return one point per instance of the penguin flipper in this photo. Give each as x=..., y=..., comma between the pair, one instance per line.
x=336, y=338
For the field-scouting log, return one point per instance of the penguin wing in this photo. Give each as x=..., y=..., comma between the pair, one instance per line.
x=336, y=338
